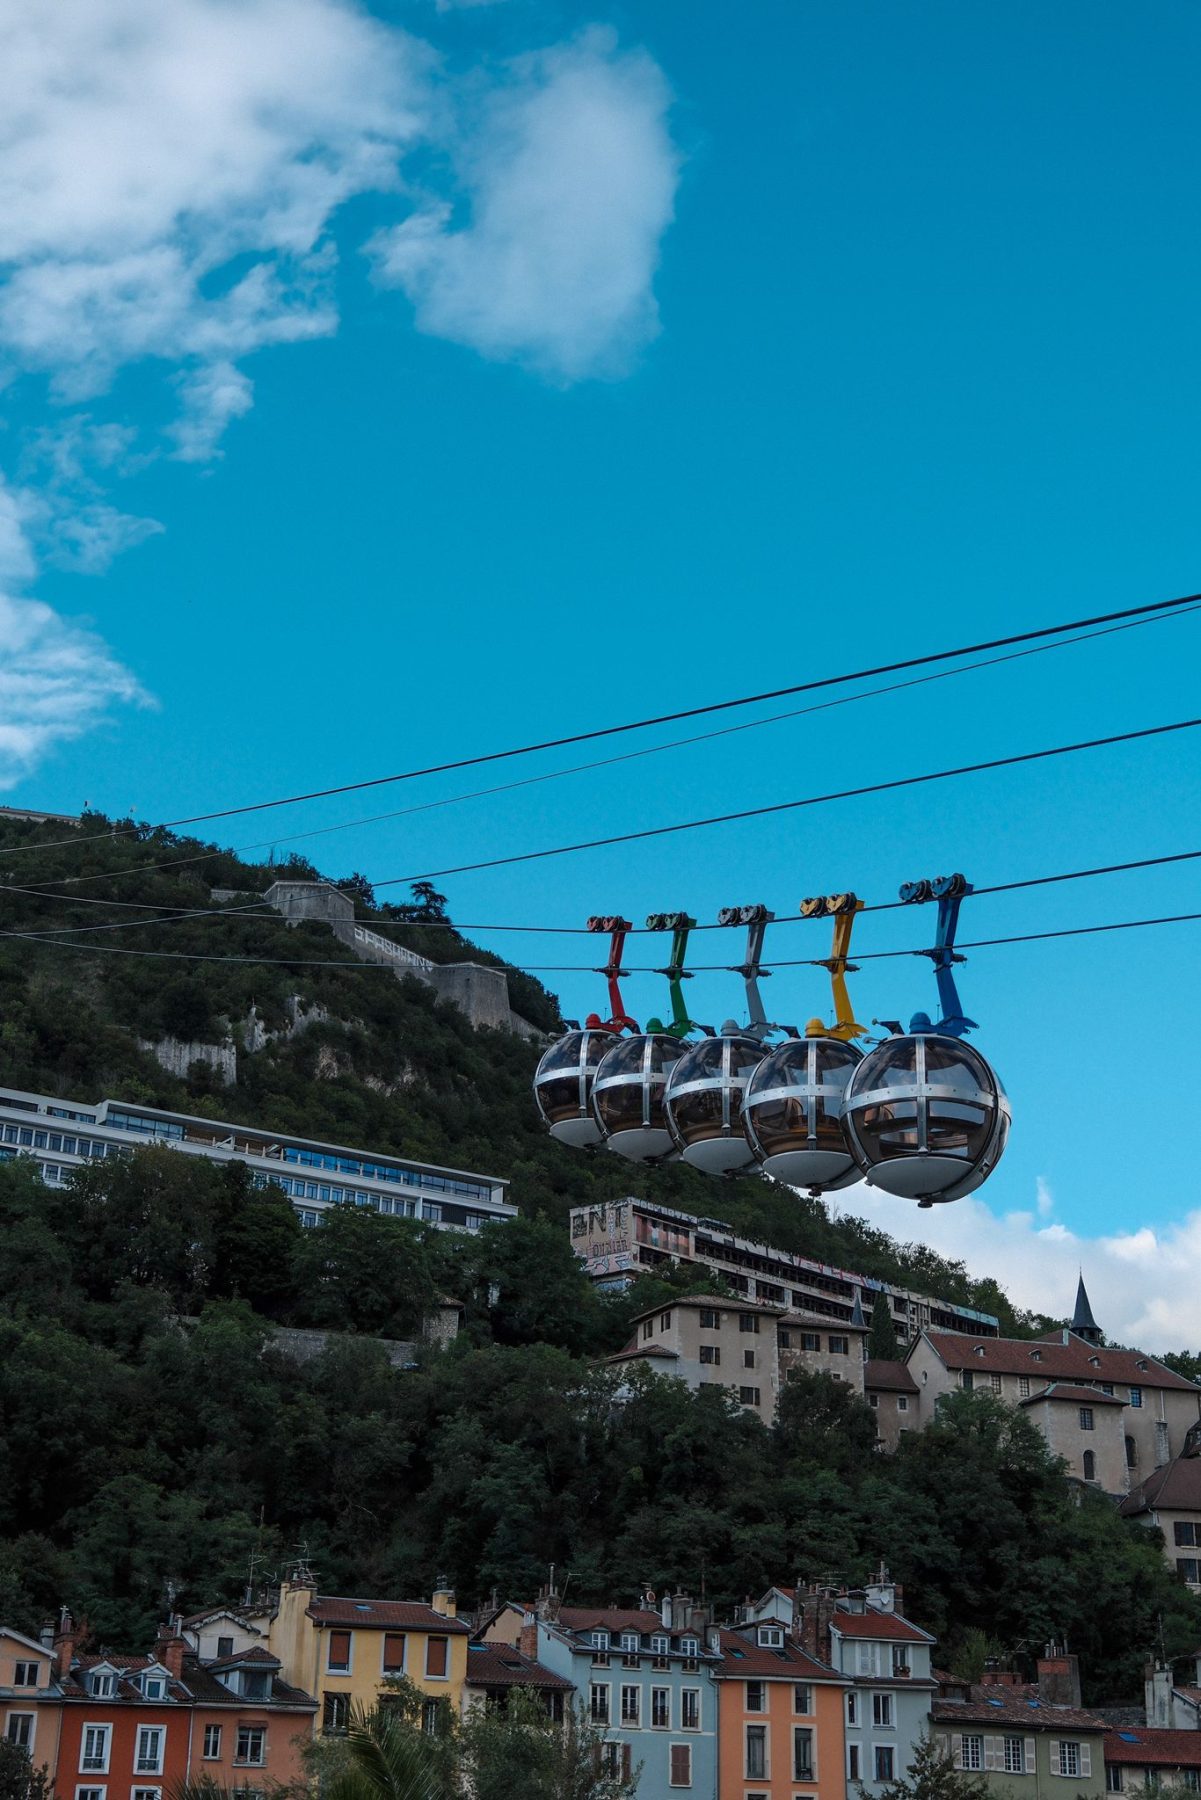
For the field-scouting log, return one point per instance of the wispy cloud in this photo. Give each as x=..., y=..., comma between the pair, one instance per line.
x=1142, y=1282
x=169, y=172
x=567, y=182
x=57, y=677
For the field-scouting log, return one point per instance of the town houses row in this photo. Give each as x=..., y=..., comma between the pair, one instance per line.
x=810, y=1694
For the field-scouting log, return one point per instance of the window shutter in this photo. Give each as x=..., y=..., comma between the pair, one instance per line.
x=1086, y=1759
x=1055, y=1768
x=992, y=1753
x=958, y=1752
x=626, y=1763
x=1030, y=1762
x=681, y=1765
x=435, y=1656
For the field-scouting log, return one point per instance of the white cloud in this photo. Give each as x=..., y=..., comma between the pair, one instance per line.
x=569, y=182
x=169, y=171
x=1142, y=1283
x=57, y=678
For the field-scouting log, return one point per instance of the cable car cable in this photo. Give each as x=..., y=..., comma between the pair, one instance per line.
x=507, y=787
x=355, y=967
x=782, y=806
x=1185, y=601
x=276, y=918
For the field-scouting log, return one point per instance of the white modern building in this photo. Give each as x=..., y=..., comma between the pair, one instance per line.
x=62, y=1135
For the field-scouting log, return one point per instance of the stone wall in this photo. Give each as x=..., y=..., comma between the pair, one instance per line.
x=477, y=989
x=177, y=1057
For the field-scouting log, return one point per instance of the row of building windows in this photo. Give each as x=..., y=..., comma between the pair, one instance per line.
x=803, y=1767
x=393, y=1653
x=631, y=1701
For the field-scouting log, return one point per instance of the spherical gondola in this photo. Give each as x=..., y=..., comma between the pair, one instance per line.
x=792, y=1112
x=627, y=1095
x=926, y=1116
x=563, y=1086
x=704, y=1098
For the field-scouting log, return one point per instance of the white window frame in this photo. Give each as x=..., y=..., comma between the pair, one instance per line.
x=802, y=1689
x=146, y=1793
x=140, y=1764
x=596, y=1688
x=251, y=1762
x=206, y=1754
x=852, y=1708
x=1065, y=1745
x=879, y=1750
x=695, y=1692
x=100, y=1766
x=971, y=1751
x=25, y=1664
x=1010, y=1768
x=631, y=1716
x=25, y=1743
x=91, y=1793
x=103, y=1684
x=346, y=1668
x=771, y=1637
x=884, y=1713
x=1113, y=1778
x=665, y=1725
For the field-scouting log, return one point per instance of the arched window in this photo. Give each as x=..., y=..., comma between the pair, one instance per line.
x=1090, y=1466
x=1131, y=1453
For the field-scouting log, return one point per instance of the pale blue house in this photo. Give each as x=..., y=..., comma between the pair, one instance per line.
x=643, y=1676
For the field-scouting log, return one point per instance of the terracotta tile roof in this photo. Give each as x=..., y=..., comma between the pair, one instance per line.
x=882, y=1372
x=879, y=1625
x=743, y=1656
x=380, y=1615
x=1165, y=1749
x=719, y=1302
x=1067, y=1390
x=1057, y=1360
x=797, y=1316
x=630, y=1354
x=1177, y=1486
x=613, y=1618
x=258, y=1653
x=497, y=1666
x=1029, y=1715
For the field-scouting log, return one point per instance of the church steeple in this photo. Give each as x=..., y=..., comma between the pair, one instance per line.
x=1083, y=1324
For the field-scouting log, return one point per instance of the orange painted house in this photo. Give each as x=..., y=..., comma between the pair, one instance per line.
x=780, y=1733
x=136, y=1727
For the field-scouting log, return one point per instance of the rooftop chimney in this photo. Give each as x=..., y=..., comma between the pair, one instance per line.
x=46, y=1634
x=1058, y=1677
x=170, y=1648
x=444, y=1598
x=1158, y=1693
x=67, y=1639
x=812, y=1611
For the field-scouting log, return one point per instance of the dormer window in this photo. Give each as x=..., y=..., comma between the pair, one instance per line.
x=153, y=1687
x=1036, y=1356
x=600, y=1640
x=256, y=1684
x=690, y=1645
x=103, y=1684
x=660, y=1647
x=771, y=1637
x=1095, y=1362
x=979, y=1350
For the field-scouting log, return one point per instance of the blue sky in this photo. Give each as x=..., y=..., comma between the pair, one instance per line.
x=390, y=386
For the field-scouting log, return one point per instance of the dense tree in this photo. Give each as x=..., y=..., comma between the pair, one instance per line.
x=882, y=1339
x=932, y=1775
x=19, y=1779
x=519, y=1750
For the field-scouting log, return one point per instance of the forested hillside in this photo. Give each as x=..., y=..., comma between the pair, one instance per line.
x=153, y=1437
x=386, y=1066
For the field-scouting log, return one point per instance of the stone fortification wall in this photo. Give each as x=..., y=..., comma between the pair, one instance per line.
x=481, y=992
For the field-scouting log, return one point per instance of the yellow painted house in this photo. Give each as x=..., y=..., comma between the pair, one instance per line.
x=343, y=1649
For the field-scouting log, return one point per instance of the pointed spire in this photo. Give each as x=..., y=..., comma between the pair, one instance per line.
x=857, y=1318
x=1083, y=1323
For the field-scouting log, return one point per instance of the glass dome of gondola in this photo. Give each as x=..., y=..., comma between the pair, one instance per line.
x=926, y=1117
x=792, y=1112
x=704, y=1100
x=563, y=1086
x=627, y=1096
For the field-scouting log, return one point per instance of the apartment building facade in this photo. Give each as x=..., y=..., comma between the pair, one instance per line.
x=746, y=1347
x=61, y=1135
x=1024, y=1747
x=621, y=1239
x=344, y=1649
x=780, y=1718
x=1115, y=1416
x=1170, y=1499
